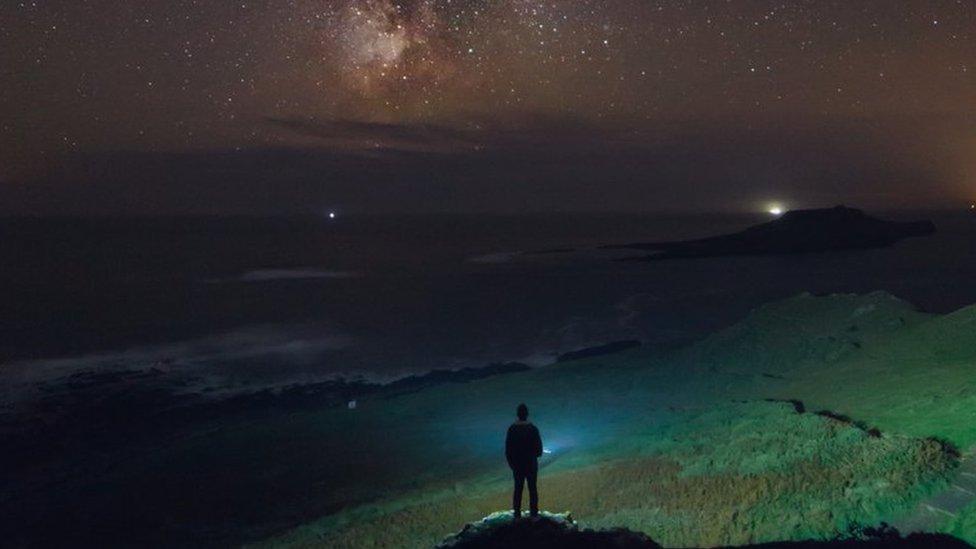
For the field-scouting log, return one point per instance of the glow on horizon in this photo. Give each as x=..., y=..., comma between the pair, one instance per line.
x=775, y=210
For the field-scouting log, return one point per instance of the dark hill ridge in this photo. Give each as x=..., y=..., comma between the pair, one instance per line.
x=560, y=531
x=599, y=350
x=797, y=231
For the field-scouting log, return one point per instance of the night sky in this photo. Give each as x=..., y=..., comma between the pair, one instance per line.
x=273, y=106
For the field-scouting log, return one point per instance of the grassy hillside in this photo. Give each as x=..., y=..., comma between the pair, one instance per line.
x=684, y=445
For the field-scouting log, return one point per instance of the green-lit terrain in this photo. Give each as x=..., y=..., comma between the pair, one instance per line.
x=699, y=446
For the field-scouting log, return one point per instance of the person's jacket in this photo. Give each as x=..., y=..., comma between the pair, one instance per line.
x=523, y=445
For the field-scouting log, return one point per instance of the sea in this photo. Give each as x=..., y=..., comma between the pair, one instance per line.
x=239, y=304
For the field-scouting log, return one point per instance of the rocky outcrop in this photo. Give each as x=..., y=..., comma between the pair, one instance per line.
x=797, y=231
x=547, y=531
x=551, y=531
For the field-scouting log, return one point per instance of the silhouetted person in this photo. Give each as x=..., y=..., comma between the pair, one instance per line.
x=523, y=446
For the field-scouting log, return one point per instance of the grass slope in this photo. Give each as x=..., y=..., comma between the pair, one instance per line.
x=683, y=446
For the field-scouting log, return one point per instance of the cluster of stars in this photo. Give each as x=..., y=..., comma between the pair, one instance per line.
x=100, y=73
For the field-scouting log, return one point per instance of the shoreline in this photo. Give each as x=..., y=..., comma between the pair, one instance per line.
x=645, y=415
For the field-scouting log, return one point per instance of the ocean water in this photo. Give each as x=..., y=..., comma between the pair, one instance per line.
x=137, y=355
x=241, y=304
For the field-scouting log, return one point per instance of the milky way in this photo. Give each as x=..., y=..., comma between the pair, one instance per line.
x=384, y=44
x=93, y=75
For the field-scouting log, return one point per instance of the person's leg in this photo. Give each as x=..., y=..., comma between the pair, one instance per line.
x=531, y=477
x=517, y=494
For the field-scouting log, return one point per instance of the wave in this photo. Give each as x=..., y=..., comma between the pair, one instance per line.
x=251, y=356
x=494, y=258
x=268, y=275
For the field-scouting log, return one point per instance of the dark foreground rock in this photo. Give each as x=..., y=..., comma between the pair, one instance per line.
x=547, y=531
x=551, y=531
x=797, y=231
x=912, y=541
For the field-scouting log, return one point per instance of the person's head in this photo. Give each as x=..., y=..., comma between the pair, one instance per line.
x=523, y=412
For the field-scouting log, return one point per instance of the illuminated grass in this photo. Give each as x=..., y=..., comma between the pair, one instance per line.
x=709, y=486
x=683, y=445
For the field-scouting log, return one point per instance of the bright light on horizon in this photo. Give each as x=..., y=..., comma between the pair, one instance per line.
x=775, y=208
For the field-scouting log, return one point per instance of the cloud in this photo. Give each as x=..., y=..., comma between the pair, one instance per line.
x=352, y=134
x=528, y=163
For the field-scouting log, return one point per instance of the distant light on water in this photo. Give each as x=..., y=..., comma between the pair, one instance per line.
x=332, y=215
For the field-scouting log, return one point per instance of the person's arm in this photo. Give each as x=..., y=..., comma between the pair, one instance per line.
x=538, y=442
x=508, y=447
